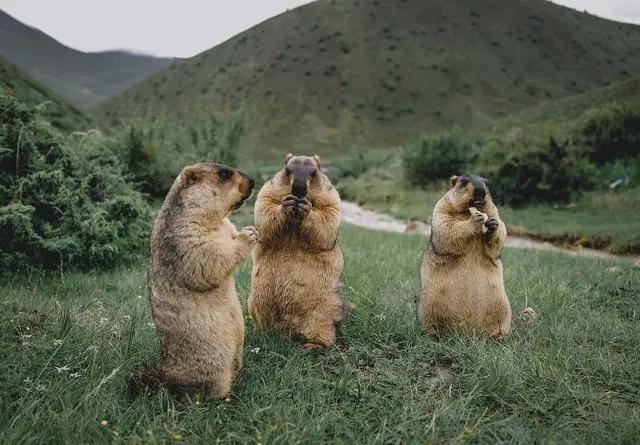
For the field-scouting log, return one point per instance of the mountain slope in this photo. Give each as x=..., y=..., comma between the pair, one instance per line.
x=56, y=110
x=83, y=78
x=339, y=73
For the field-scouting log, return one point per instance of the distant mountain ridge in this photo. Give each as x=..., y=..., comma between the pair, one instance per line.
x=82, y=78
x=336, y=74
x=57, y=111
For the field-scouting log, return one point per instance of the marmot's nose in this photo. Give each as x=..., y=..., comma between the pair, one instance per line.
x=479, y=194
x=299, y=189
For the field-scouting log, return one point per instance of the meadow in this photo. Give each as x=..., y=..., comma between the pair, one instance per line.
x=71, y=340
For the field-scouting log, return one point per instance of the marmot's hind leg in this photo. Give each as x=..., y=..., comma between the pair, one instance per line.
x=319, y=333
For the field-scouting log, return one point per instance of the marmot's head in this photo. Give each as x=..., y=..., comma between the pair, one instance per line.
x=214, y=188
x=302, y=177
x=468, y=191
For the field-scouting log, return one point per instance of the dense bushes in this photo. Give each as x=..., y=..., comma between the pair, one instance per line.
x=523, y=170
x=430, y=158
x=63, y=200
x=611, y=133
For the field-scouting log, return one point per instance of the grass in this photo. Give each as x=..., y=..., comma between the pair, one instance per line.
x=69, y=342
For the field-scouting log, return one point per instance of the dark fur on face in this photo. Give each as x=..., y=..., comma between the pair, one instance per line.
x=469, y=191
x=300, y=171
x=226, y=185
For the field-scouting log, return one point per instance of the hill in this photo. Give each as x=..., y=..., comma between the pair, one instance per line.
x=57, y=111
x=563, y=113
x=335, y=74
x=83, y=78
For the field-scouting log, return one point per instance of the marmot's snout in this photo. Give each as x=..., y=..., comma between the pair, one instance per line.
x=299, y=187
x=246, y=188
x=479, y=194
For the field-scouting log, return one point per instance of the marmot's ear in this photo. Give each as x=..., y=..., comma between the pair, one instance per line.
x=454, y=180
x=317, y=159
x=191, y=174
x=287, y=158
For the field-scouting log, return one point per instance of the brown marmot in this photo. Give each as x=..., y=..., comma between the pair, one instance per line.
x=461, y=273
x=297, y=262
x=194, y=251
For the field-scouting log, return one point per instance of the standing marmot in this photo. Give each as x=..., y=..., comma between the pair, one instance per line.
x=194, y=251
x=461, y=273
x=297, y=262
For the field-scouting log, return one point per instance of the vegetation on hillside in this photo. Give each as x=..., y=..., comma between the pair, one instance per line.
x=554, y=167
x=58, y=112
x=339, y=76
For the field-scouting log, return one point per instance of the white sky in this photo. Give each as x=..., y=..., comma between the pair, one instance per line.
x=183, y=28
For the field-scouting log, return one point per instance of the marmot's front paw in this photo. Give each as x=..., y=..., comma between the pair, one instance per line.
x=289, y=206
x=491, y=224
x=477, y=219
x=303, y=208
x=248, y=234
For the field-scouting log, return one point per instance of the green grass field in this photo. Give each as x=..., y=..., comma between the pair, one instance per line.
x=69, y=342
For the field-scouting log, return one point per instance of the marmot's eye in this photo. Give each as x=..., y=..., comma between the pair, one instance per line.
x=314, y=174
x=224, y=174
x=287, y=171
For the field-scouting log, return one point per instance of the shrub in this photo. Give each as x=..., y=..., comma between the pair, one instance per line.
x=612, y=132
x=431, y=158
x=63, y=200
x=154, y=151
x=523, y=170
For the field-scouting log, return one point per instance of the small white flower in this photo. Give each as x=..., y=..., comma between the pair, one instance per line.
x=139, y=297
x=151, y=325
x=380, y=317
x=127, y=317
x=103, y=320
x=255, y=350
x=27, y=336
x=61, y=369
x=57, y=342
x=92, y=348
x=74, y=375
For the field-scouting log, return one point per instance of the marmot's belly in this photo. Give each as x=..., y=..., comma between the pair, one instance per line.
x=289, y=287
x=463, y=295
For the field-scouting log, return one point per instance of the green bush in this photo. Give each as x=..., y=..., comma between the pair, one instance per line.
x=432, y=158
x=523, y=170
x=612, y=132
x=154, y=151
x=64, y=201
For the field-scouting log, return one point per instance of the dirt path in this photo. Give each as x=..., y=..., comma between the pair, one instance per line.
x=354, y=214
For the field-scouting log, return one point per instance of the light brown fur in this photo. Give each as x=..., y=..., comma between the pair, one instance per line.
x=461, y=273
x=194, y=251
x=297, y=262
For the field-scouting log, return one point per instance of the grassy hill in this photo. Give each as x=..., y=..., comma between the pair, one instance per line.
x=563, y=112
x=335, y=74
x=83, y=78
x=57, y=111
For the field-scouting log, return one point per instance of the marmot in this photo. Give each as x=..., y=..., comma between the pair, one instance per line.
x=461, y=273
x=297, y=262
x=194, y=251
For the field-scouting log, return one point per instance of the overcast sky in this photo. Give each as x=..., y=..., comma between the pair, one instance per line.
x=184, y=28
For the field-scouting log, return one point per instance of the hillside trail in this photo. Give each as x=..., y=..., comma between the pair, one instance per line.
x=355, y=215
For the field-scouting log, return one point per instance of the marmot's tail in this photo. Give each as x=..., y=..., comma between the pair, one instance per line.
x=144, y=380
